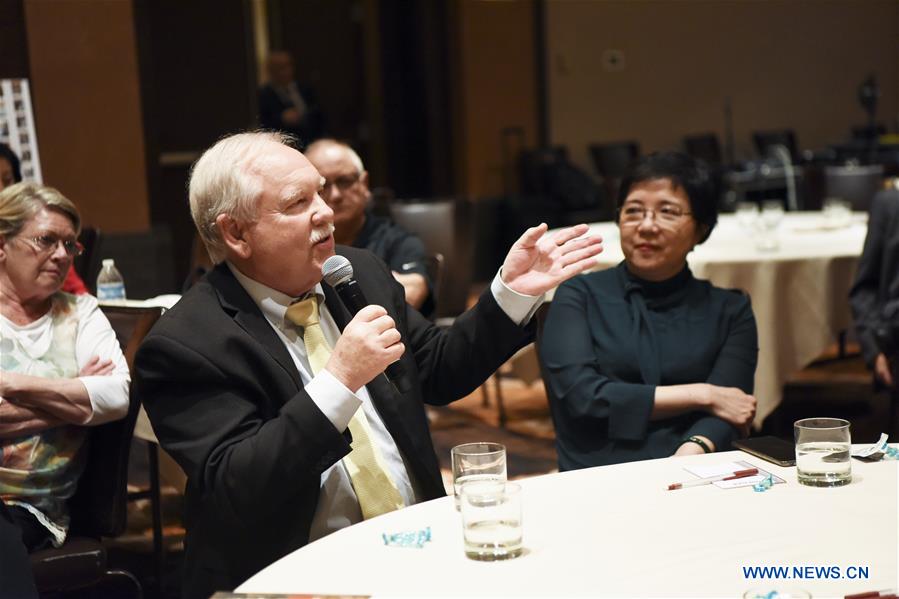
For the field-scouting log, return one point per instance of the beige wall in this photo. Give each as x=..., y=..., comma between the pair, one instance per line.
x=84, y=74
x=783, y=63
x=494, y=87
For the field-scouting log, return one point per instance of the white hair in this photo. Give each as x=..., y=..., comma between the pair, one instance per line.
x=227, y=179
x=324, y=144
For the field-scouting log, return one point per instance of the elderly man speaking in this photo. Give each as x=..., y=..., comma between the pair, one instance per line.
x=269, y=393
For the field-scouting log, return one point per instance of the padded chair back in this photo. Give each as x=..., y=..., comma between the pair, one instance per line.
x=87, y=265
x=855, y=184
x=145, y=259
x=443, y=226
x=98, y=507
x=765, y=140
x=611, y=161
x=704, y=147
x=534, y=166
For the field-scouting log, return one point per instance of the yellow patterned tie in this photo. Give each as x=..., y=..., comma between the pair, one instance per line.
x=375, y=490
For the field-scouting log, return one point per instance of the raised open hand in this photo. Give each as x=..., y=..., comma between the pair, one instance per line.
x=539, y=262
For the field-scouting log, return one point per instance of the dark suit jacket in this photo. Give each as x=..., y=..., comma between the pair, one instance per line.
x=874, y=296
x=226, y=401
x=311, y=125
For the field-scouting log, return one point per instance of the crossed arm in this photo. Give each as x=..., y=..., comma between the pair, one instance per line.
x=31, y=403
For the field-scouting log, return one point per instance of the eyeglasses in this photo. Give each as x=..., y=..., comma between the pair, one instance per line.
x=48, y=243
x=665, y=216
x=342, y=183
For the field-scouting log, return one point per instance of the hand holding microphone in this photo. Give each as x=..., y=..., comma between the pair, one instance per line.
x=370, y=343
x=367, y=346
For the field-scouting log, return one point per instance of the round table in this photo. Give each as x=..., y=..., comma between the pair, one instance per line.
x=799, y=291
x=614, y=531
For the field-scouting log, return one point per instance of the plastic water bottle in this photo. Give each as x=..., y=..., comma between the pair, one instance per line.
x=110, y=285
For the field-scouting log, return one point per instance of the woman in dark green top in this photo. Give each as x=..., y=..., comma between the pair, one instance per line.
x=642, y=360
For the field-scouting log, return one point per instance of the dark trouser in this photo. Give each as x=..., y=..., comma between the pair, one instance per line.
x=16, y=579
x=35, y=535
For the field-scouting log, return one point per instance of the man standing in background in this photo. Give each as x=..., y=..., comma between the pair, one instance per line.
x=286, y=106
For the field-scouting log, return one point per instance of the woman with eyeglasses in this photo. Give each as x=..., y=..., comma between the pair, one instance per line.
x=10, y=174
x=61, y=367
x=643, y=360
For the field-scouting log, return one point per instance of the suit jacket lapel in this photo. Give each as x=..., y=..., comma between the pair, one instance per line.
x=248, y=316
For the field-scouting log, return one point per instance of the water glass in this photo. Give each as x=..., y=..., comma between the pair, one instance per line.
x=473, y=462
x=491, y=520
x=837, y=212
x=747, y=214
x=771, y=215
x=822, y=452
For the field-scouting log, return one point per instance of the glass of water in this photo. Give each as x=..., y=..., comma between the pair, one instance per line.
x=822, y=452
x=477, y=462
x=491, y=520
x=747, y=214
x=769, y=220
x=837, y=212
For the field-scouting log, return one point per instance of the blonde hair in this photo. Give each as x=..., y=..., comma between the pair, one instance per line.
x=228, y=179
x=20, y=202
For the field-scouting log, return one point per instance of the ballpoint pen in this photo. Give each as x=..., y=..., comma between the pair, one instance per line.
x=714, y=479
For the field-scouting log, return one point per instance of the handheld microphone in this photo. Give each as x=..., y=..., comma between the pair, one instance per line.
x=338, y=273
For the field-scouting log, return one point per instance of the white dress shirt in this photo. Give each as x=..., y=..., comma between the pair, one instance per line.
x=338, y=506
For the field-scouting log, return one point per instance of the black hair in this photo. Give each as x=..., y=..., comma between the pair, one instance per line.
x=10, y=156
x=685, y=173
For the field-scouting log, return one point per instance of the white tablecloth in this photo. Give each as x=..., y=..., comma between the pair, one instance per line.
x=799, y=291
x=615, y=532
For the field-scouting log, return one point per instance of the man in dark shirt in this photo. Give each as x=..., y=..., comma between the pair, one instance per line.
x=346, y=192
x=875, y=295
x=286, y=106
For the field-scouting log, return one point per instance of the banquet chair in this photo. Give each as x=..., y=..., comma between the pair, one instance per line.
x=131, y=325
x=764, y=141
x=443, y=228
x=855, y=184
x=87, y=265
x=98, y=507
x=556, y=191
x=704, y=147
x=611, y=161
x=533, y=166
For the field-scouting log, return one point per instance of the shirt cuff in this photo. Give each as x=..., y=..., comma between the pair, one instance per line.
x=630, y=408
x=108, y=395
x=518, y=307
x=719, y=431
x=335, y=401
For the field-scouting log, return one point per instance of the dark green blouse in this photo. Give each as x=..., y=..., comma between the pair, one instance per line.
x=611, y=337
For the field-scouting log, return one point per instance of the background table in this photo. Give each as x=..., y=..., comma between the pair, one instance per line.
x=799, y=292
x=614, y=531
